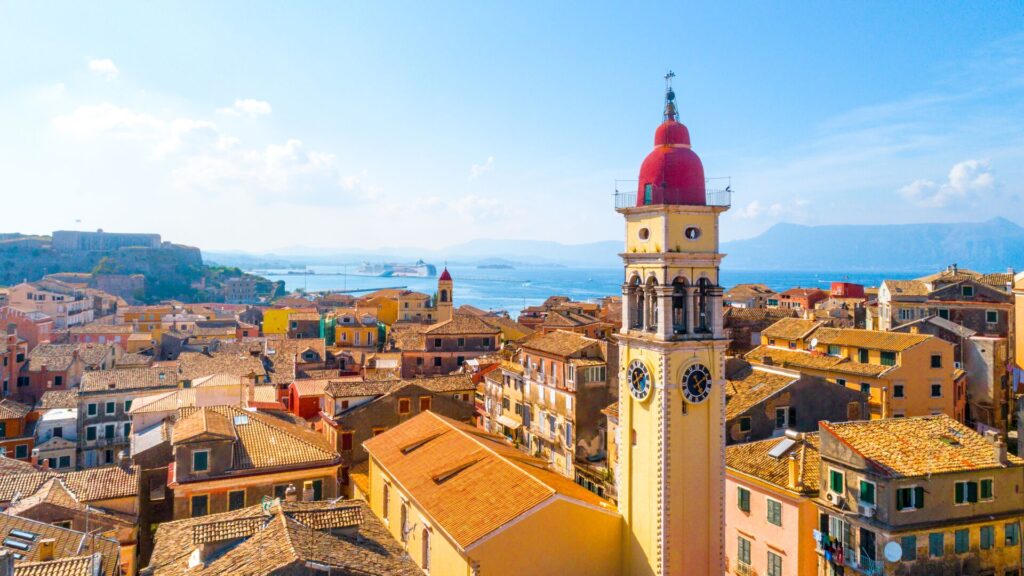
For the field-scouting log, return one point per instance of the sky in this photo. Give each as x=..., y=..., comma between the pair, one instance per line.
x=262, y=126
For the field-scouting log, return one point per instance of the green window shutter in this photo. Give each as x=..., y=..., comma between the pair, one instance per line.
x=867, y=492
x=972, y=491
x=962, y=540
x=959, y=493
x=986, y=489
x=919, y=497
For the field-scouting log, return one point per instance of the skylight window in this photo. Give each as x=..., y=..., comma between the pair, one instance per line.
x=17, y=544
x=24, y=535
x=241, y=420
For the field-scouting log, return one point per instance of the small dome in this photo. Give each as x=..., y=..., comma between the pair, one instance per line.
x=445, y=276
x=672, y=173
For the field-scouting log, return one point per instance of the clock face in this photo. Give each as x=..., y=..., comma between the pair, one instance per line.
x=696, y=383
x=639, y=380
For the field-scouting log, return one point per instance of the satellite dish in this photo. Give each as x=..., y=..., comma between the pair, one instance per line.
x=814, y=342
x=893, y=551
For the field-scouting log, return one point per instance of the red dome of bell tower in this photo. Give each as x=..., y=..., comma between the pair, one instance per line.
x=672, y=173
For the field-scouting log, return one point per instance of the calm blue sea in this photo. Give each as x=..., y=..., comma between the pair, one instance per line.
x=514, y=289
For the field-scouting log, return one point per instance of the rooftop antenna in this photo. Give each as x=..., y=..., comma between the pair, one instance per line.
x=670, y=98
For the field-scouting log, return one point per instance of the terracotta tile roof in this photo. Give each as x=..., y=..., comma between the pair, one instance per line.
x=260, y=440
x=56, y=357
x=506, y=325
x=744, y=291
x=803, y=292
x=171, y=401
x=751, y=386
x=436, y=384
x=103, y=483
x=611, y=410
x=129, y=379
x=906, y=288
x=758, y=314
x=559, y=343
x=461, y=324
x=343, y=389
x=192, y=365
x=69, y=546
x=797, y=359
x=470, y=483
x=997, y=280
x=134, y=359
x=9, y=409
x=306, y=388
x=286, y=540
x=791, y=328
x=203, y=425
x=873, y=339
x=12, y=466
x=908, y=447
x=753, y=458
x=55, y=493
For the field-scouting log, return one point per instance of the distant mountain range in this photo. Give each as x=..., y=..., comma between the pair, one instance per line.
x=988, y=246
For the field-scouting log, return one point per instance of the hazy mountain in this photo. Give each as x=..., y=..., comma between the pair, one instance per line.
x=986, y=246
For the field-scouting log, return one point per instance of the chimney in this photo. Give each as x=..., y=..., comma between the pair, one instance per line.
x=291, y=494
x=44, y=551
x=915, y=330
x=999, y=448
x=794, y=482
x=122, y=459
x=35, y=457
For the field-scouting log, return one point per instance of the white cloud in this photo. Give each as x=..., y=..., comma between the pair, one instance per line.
x=96, y=119
x=477, y=169
x=247, y=107
x=750, y=211
x=967, y=180
x=104, y=67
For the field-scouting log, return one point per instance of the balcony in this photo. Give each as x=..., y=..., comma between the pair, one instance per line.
x=713, y=196
x=745, y=570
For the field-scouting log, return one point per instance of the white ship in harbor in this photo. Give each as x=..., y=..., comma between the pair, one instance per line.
x=418, y=270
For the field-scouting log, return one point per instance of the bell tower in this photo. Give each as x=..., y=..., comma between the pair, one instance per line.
x=671, y=356
x=445, y=286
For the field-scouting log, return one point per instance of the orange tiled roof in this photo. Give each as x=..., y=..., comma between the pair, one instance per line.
x=906, y=287
x=753, y=458
x=873, y=339
x=813, y=360
x=750, y=387
x=470, y=483
x=791, y=328
x=461, y=324
x=908, y=447
x=559, y=343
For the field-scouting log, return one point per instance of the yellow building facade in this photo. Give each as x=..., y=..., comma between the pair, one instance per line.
x=671, y=359
x=275, y=320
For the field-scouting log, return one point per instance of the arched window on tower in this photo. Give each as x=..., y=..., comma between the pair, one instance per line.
x=637, y=303
x=648, y=193
x=652, y=304
x=444, y=295
x=704, y=305
x=679, y=308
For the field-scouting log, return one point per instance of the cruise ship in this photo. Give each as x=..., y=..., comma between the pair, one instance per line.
x=418, y=270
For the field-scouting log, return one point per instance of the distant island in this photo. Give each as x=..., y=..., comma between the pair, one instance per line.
x=496, y=267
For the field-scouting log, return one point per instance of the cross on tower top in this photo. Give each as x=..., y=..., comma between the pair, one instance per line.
x=670, y=98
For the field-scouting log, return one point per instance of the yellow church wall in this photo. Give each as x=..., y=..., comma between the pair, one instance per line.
x=666, y=232
x=587, y=542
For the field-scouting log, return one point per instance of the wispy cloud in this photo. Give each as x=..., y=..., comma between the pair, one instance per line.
x=104, y=67
x=476, y=170
x=246, y=107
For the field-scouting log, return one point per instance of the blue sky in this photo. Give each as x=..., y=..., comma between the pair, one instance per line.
x=258, y=126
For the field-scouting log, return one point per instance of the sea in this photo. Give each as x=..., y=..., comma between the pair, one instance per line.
x=512, y=289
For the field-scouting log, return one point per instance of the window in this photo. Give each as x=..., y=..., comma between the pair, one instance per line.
x=743, y=551
x=865, y=388
x=236, y=499
x=110, y=408
x=988, y=537
x=403, y=525
x=967, y=291
x=986, y=489
x=961, y=541
x=3, y=429
x=745, y=424
x=944, y=313
x=1012, y=531
x=379, y=430
x=200, y=460
x=909, y=546
x=462, y=342
x=404, y=405
x=424, y=403
x=437, y=361
x=792, y=344
x=426, y=550
x=888, y=358
x=437, y=342
x=867, y=492
x=64, y=462
x=781, y=417
x=486, y=342
x=346, y=440
x=936, y=360
x=315, y=488
x=21, y=451
x=280, y=490
x=910, y=498
x=836, y=482
x=57, y=380
x=936, y=544
x=991, y=316
x=126, y=429
x=774, y=512
x=833, y=350
x=897, y=391
x=774, y=564
x=743, y=499
x=862, y=356
x=127, y=405
x=965, y=492
x=90, y=433
x=841, y=381
x=108, y=431
x=91, y=409
x=936, y=390
x=200, y=505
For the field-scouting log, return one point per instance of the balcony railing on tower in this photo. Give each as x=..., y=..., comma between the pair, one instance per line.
x=625, y=193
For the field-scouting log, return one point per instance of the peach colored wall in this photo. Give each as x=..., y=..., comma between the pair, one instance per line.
x=792, y=541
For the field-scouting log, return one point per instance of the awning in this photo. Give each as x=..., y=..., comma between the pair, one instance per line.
x=509, y=421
